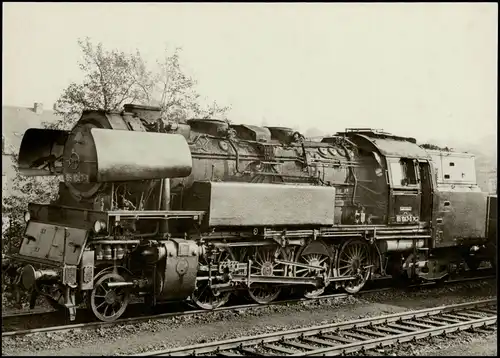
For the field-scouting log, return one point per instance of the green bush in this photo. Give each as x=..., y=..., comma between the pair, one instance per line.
x=22, y=191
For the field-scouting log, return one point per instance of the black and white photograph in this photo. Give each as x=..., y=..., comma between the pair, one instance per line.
x=249, y=179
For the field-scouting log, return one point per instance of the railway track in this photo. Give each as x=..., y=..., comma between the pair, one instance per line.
x=98, y=324
x=352, y=336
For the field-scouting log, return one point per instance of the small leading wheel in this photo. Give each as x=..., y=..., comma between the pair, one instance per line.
x=203, y=296
x=263, y=265
x=109, y=303
x=354, y=260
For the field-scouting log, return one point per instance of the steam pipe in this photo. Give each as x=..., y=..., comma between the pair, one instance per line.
x=352, y=174
x=237, y=156
x=117, y=242
x=120, y=284
x=164, y=203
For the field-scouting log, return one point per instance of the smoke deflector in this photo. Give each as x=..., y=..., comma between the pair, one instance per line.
x=117, y=155
x=126, y=155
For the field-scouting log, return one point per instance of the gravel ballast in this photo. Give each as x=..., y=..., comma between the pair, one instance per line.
x=192, y=329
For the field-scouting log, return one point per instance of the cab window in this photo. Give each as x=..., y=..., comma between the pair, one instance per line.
x=403, y=172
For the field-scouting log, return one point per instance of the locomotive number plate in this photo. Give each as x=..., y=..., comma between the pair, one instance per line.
x=406, y=218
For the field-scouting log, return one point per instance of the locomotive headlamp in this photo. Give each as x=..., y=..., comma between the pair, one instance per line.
x=99, y=226
x=27, y=216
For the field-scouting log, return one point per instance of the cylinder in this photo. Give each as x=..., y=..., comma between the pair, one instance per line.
x=153, y=254
x=399, y=245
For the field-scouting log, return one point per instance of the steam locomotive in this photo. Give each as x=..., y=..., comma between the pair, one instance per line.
x=203, y=210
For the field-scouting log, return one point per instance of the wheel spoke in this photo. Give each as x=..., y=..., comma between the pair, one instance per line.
x=103, y=302
x=352, y=253
x=316, y=259
x=344, y=267
x=353, y=258
x=203, y=296
x=357, y=250
x=104, y=288
x=323, y=260
x=113, y=303
x=265, y=293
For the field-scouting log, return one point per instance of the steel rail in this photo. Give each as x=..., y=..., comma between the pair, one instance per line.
x=203, y=311
x=34, y=312
x=351, y=336
x=177, y=314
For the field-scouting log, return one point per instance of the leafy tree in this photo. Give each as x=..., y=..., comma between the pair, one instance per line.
x=175, y=92
x=113, y=78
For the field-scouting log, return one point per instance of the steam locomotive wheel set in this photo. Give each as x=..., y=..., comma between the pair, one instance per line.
x=169, y=211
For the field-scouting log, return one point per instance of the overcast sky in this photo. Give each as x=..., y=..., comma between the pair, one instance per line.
x=425, y=70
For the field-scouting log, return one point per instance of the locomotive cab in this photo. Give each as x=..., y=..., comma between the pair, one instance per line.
x=408, y=176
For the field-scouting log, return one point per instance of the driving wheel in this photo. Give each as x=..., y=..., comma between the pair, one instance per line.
x=354, y=260
x=203, y=296
x=318, y=257
x=263, y=264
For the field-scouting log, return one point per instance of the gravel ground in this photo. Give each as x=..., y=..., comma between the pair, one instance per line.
x=457, y=344
x=179, y=331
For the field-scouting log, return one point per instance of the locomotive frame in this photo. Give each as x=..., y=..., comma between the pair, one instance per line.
x=206, y=209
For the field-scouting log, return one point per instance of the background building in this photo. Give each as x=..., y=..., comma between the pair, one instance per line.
x=15, y=121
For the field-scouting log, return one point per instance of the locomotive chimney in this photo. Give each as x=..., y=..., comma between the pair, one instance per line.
x=148, y=113
x=38, y=108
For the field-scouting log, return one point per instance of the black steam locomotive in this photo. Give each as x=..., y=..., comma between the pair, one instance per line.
x=199, y=211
